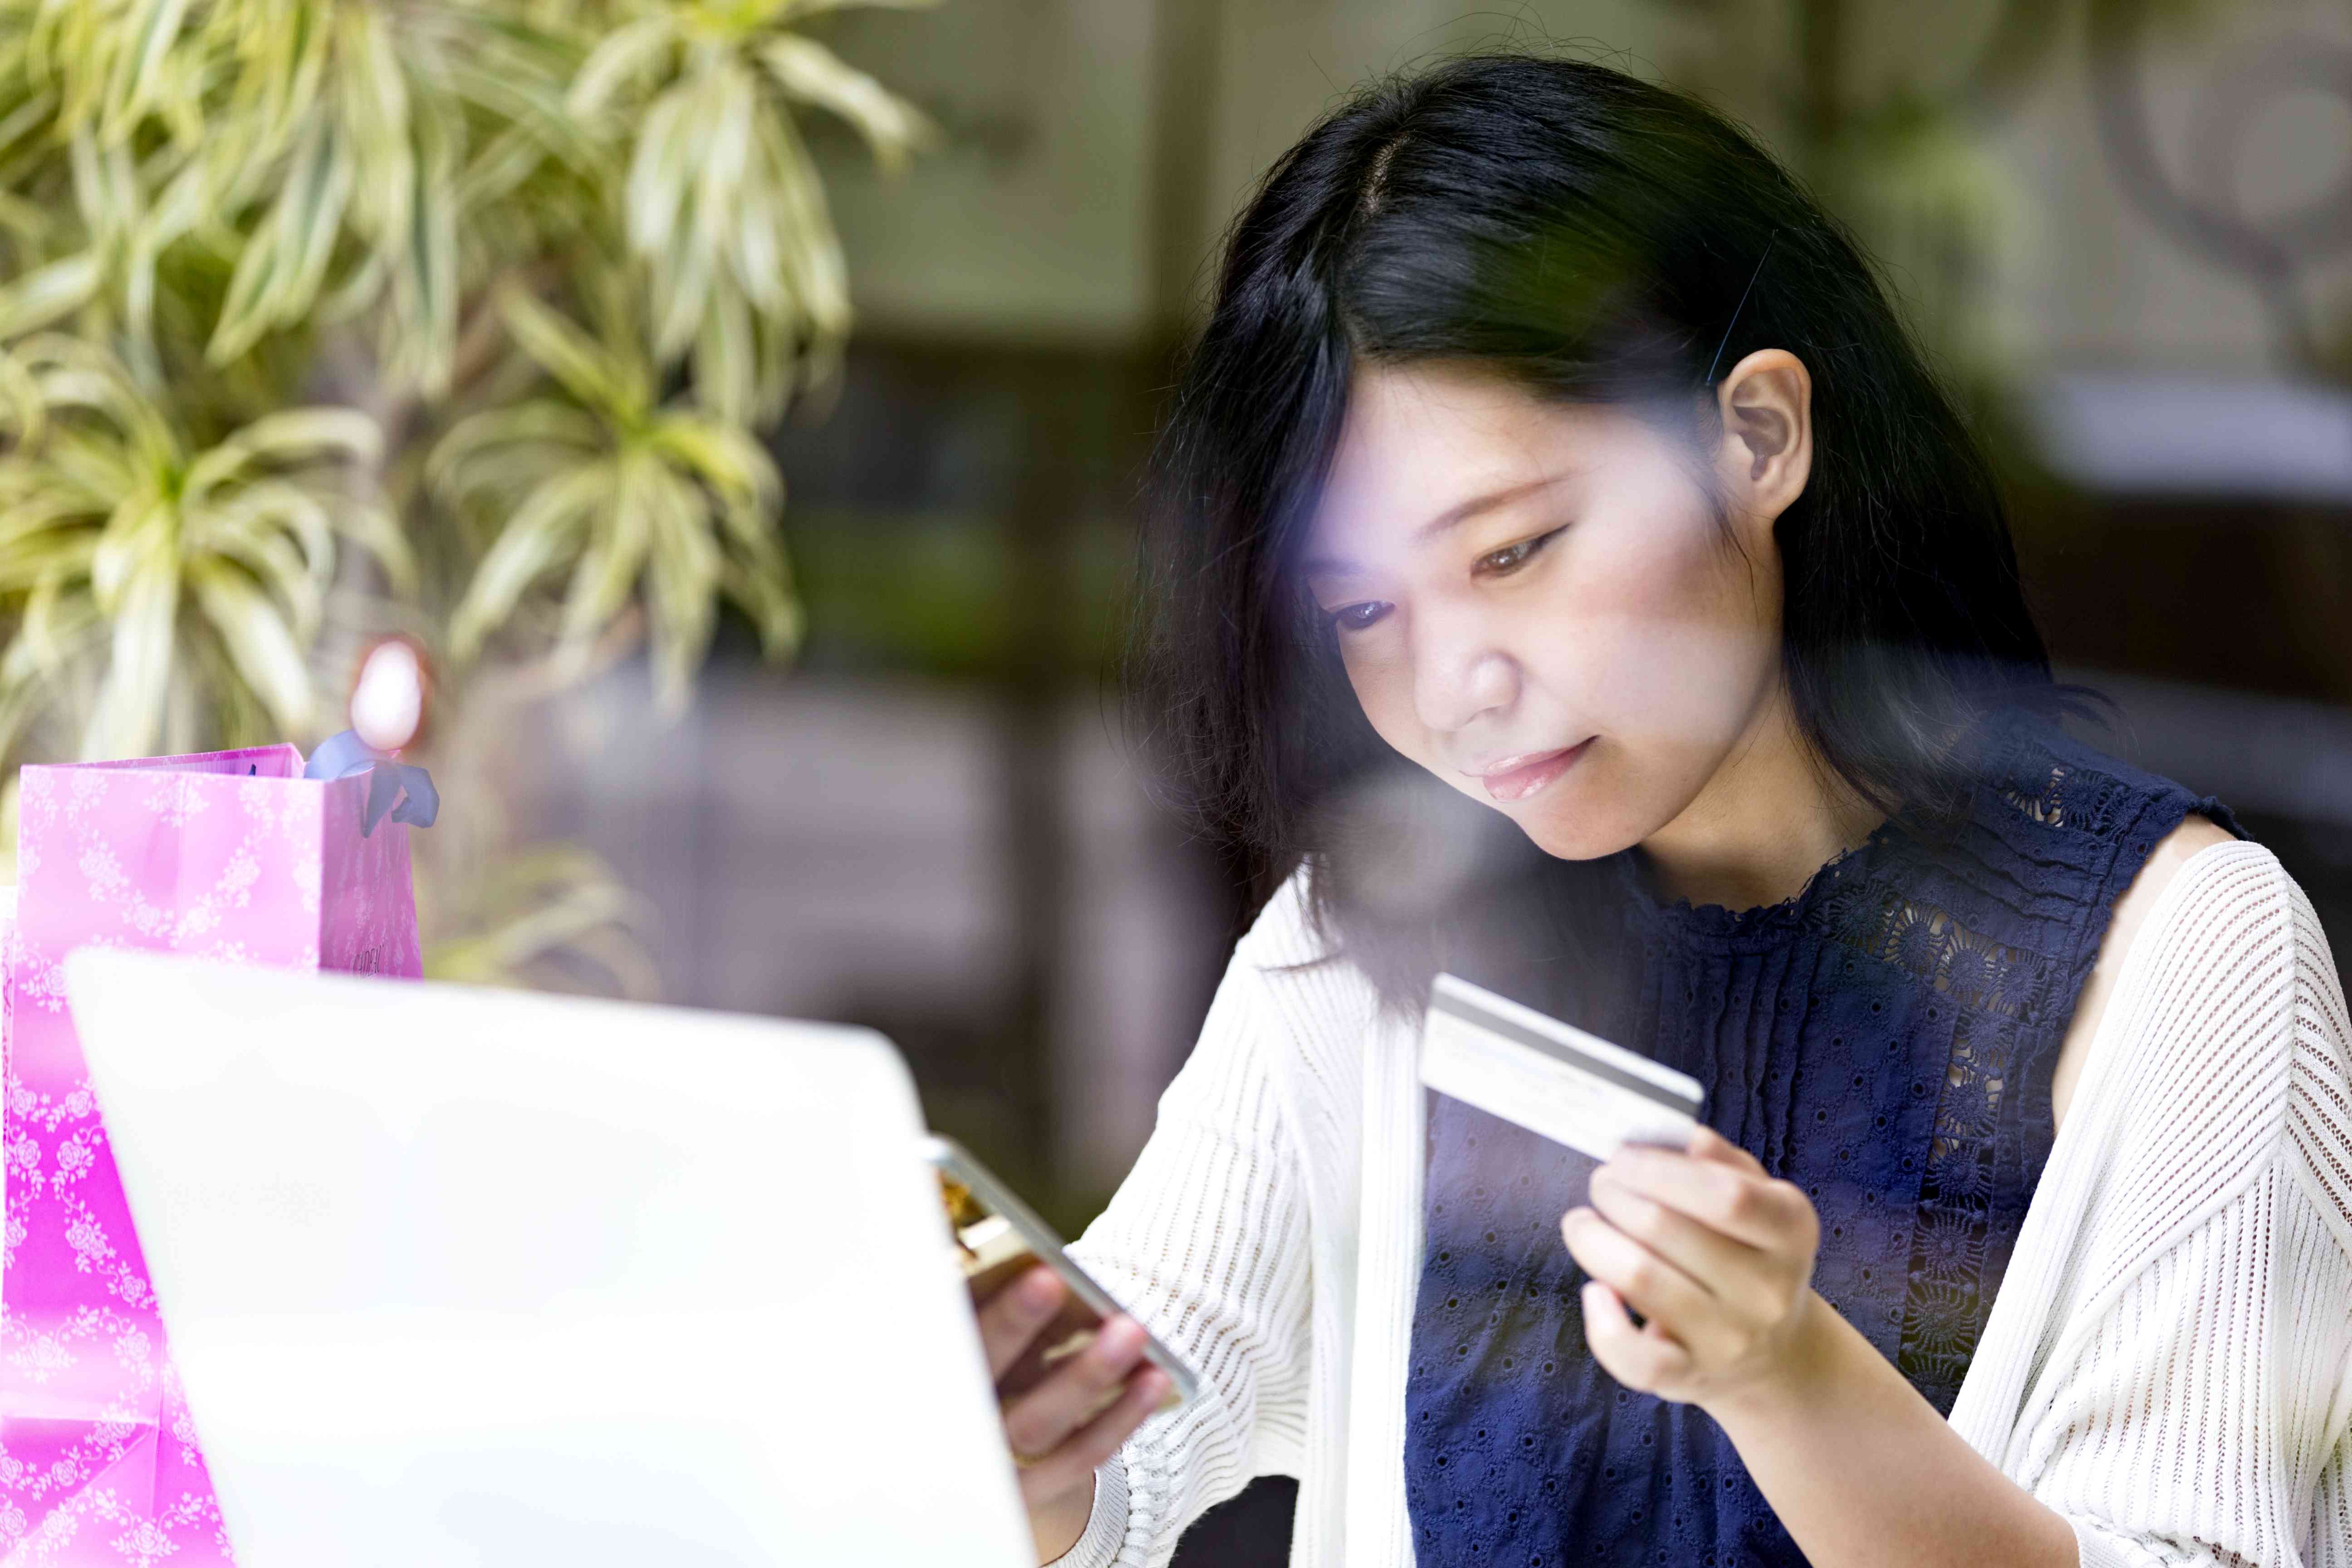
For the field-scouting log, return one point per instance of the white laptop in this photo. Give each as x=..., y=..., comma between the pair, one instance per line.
x=461, y=1276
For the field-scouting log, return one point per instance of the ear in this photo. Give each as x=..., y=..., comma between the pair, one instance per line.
x=1766, y=405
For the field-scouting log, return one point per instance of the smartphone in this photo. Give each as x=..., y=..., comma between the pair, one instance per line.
x=997, y=1236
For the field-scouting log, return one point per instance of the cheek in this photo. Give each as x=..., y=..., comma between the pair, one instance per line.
x=1672, y=638
x=1383, y=687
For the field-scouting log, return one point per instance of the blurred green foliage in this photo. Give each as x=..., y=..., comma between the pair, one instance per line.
x=940, y=593
x=500, y=290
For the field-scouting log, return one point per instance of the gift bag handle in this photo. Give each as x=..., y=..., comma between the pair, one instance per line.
x=405, y=792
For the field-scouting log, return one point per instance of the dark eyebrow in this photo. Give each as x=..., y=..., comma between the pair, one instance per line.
x=1332, y=565
x=1486, y=503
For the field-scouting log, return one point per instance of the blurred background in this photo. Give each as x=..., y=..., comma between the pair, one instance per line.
x=2124, y=229
x=878, y=774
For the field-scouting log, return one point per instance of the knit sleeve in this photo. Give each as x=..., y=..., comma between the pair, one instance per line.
x=2191, y=1406
x=1206, y=1244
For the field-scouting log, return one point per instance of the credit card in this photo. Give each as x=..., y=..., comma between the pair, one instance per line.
x=1550, y=1078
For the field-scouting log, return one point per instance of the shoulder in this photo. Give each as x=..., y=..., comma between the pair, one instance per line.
x=1303, y=986
x=2225, y=1015
x=1292, y=946
x=1287, y=930
x=2196, y=834
x=2069, y=789
x=2164, y=863
x=2071, y=847
x=1303, y=965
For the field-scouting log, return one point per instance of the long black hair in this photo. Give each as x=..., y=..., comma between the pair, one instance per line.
x=1594, y=238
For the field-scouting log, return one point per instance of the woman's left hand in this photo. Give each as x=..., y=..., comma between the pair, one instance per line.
x=1718, y=1258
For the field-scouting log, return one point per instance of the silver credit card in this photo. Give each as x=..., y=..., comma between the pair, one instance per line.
x=1551, y=1078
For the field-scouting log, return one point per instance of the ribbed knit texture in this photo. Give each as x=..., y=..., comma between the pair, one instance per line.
x=2166, y=1364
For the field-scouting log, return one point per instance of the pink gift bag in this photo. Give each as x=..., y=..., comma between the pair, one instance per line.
x=229, y=855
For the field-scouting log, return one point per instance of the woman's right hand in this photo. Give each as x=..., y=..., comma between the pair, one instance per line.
x=1056, y=1450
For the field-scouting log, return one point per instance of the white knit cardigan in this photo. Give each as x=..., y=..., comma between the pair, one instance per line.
x=2165, y=1365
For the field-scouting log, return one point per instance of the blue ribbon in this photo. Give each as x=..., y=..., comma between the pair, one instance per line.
x=405, y=792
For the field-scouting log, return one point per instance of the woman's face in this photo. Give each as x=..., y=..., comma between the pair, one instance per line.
x=1539, y=604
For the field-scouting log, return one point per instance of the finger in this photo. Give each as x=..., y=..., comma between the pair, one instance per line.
x=1646, y=1358
x=1647, y=1283
x=1708, y=1144
x=1037, y=1420
x=1010, y=1319
x=1730, y=1271
x=1745, y=1205
x=1075, y=1455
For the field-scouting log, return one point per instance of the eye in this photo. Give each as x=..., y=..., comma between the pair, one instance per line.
x=1511, y=557
x=1356, y=617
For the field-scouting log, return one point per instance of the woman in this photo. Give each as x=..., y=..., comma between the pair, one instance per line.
x=1549, y=447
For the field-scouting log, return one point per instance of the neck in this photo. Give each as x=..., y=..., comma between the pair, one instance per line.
x=1772, y=816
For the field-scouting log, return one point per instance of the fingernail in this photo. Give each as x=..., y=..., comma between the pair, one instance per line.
x=1121, y=1340
x=1037, y=1291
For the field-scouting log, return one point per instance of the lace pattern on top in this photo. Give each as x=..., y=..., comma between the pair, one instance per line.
x=2011, y=1004
x=1885, y=1040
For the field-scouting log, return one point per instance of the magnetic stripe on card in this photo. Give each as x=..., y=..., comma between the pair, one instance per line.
x=1468, y=1011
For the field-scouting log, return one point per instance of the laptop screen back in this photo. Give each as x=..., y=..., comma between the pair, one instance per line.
x=468, y=1276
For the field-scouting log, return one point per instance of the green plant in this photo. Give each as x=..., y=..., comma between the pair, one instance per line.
x=500, y=290
x=199, y=570
x=622, y=489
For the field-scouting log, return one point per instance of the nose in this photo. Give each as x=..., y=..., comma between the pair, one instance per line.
x=1458, y=673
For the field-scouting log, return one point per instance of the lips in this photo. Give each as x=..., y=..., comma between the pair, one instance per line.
x=1521, y=776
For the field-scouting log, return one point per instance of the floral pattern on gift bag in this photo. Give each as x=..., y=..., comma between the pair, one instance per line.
x=228, y=854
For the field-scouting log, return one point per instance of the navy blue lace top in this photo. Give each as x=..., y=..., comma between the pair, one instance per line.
x=1885, y=1040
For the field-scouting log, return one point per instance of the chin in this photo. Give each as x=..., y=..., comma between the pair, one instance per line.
x=1570, y=835
x=1598, y=813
